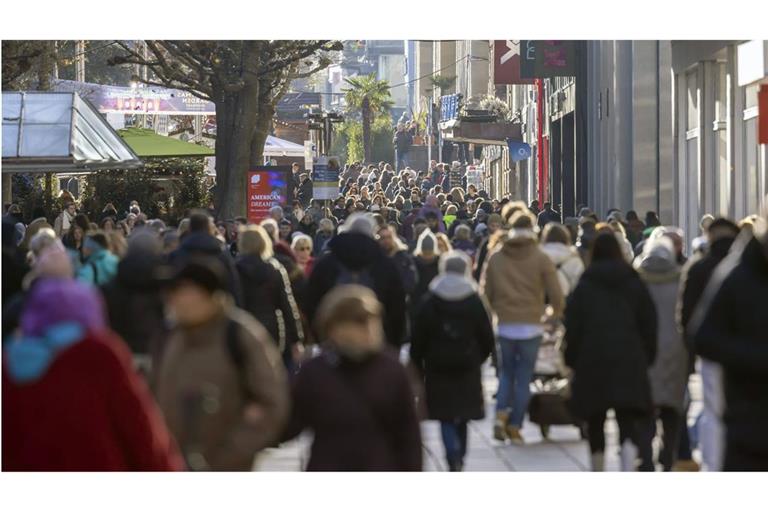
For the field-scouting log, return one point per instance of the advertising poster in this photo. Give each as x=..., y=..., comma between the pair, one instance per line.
x=267, y=187
x=547, y=59
x=325, y=177
x=506, y=63
x=140, y=100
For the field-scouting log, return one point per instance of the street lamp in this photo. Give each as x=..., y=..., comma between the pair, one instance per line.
x=321, y=122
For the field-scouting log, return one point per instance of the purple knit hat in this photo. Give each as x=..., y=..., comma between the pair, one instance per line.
x=53, y=301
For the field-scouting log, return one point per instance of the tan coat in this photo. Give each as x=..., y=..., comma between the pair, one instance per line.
x=202, y=395
x=517, y=278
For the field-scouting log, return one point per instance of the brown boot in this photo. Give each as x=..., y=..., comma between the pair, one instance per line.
x=686, y=465
x=500, y=426
x=514, y=435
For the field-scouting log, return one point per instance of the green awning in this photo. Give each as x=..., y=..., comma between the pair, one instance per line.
x=148, y=144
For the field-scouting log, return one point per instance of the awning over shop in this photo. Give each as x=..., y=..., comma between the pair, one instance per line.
x=148, y=144
x=59, y=132
x=273, y=147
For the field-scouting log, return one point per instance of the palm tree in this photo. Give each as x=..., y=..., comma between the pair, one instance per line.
x=371, y=98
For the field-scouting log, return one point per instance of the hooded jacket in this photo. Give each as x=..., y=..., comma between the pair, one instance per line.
x=669, y=373
x=99, y=269
x=359, y=252
x=567, y=262
x=134, y=304
x=207, y=245
x=455, y=393
x=610, y=336
x=517, y=279
x=203, y=394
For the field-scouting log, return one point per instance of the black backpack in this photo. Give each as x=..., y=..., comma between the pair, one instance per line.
x=452, y=347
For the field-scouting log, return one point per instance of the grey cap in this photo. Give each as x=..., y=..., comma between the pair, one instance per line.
x=455, y=262
x=427, y=242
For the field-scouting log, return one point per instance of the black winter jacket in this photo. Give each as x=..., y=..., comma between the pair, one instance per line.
x=267, y=295
x=452, y=393
x=695, y=278
x=734, y=333
x=426, y=272
x=357, y=252
x=135, y=306
x=610, y=322
x=408, y=272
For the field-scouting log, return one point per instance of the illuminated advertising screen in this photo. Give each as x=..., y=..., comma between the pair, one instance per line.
x=267, y=187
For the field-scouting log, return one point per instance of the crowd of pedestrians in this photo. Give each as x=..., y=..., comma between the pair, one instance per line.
x=129, y=344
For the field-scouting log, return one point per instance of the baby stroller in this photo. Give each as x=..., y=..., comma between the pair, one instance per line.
x=550, y=387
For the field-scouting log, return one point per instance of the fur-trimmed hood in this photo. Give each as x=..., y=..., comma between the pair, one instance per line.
x=520, y=243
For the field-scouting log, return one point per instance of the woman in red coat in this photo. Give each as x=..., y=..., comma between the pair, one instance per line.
x=71, y=398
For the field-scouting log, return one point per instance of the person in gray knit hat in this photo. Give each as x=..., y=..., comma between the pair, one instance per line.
x=452, y=337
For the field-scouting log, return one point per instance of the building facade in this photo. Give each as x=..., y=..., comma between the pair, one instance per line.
x=667, y=126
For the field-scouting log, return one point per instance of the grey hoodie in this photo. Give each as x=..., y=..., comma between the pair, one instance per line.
x=669, y=373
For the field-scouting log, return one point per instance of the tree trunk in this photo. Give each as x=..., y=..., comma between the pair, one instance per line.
x=235, y=122
x=260, y=133
x=237, y=113
x=366, y=113
x=47, y=65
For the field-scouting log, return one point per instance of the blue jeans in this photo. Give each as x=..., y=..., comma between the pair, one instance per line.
x=454, y=439
x=518, y=358
x=402, y=160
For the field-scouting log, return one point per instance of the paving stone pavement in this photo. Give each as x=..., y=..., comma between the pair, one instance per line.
x=562, y=451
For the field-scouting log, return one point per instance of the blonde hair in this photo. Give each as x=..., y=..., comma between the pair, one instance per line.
x=301, y=239
x=617, y=227
x=522, y=219
x=42, y=239
x=272, y=228
x=512, y=208
x=253, y=239
x=442, y=237
x=497, y=239
x=118, y=245
x=554, y=232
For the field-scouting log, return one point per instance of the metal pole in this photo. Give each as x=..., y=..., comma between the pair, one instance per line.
x=429, y=131
x=440, y=138
x=540, y=137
